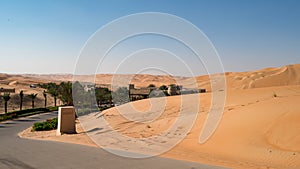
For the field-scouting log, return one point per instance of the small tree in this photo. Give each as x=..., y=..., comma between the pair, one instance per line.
x=6, y=98
x=54, y=95
x=32, y=96
x=45, y=97
x=21, y=99
x=103, y=94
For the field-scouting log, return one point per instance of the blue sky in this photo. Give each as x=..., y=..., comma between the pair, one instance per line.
x=47, y=36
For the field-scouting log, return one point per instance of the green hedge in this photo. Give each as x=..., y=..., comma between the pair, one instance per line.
x=4, y=117
x=52, y=108
x=47, y=125
x=26, y=112
x=20, y=112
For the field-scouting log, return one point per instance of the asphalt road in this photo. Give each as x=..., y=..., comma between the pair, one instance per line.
x=17, y=153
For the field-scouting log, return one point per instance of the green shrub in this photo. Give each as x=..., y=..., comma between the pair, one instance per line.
x=47, y=125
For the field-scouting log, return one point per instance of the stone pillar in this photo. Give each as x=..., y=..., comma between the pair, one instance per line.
x=66, y=120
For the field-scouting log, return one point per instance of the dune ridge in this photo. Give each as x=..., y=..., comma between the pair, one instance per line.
x=268, y=77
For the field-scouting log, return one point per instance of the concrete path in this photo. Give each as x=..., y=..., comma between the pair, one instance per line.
x=17, y=153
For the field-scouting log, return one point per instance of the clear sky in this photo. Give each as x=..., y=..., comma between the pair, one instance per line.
x=47, y=36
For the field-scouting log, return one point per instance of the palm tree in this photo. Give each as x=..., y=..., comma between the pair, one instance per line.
x=21, y=99
x=45, y=96
x=54, y=94
x=52, y=89
x=32, y=96
x=6, y=98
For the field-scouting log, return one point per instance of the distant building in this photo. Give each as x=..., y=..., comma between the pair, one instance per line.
x=137, y=94
x=3, y=90
x=143, y=93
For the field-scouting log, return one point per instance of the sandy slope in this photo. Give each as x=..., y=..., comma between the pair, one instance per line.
x=253, y=131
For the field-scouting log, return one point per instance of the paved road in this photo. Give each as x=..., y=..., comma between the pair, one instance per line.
x=17, y=153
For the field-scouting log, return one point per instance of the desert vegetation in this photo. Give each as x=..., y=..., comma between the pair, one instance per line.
x=49, y=124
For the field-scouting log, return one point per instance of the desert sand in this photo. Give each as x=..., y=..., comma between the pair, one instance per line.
x=260, y=127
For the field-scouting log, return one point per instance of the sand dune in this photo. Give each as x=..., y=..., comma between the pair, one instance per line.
x=258, y=130
x=283, y=76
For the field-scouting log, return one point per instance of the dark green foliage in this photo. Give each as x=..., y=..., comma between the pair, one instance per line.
x=103, y=95
x=163, y=87
x=5, y=117
x=32, y=96
x=65, y=93
x=52, y=89
x=47, y=125
x=26, y=112
x=20, y=112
